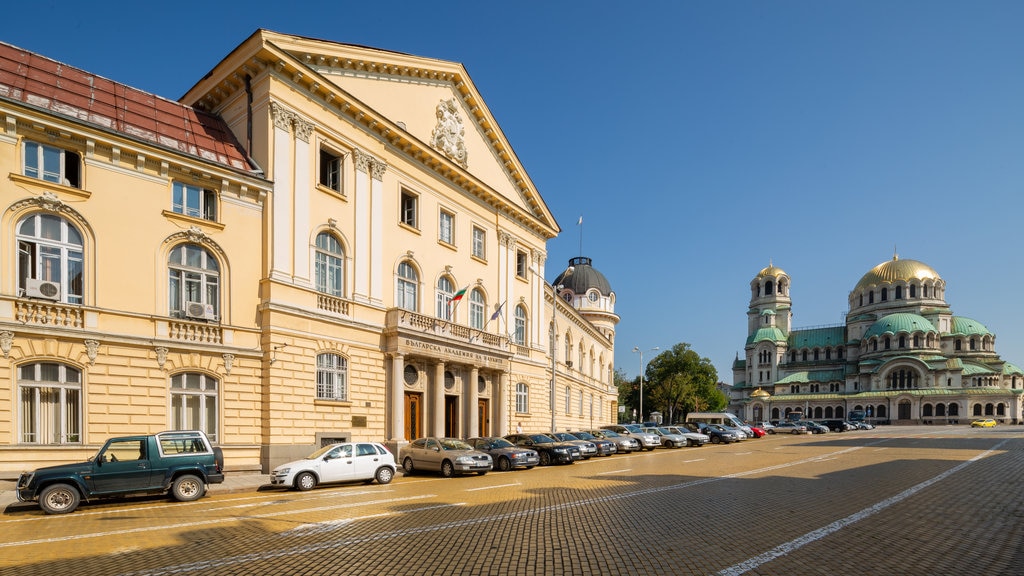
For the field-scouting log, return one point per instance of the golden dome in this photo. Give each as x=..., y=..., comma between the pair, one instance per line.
x=897, y=270
x=771, y=270
x=759, y=393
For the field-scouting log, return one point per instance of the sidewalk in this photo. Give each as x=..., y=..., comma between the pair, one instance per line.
x=233, y=482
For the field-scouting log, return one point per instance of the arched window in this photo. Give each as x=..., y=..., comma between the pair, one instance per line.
x=958, y=345
x=913, y=290
x=194, y=283
x=903, y=341
x=522, y=398
x=330, y=265
x=445, y=290
x=885, y=294
x=568, y=349
x=476, y=309
x=924, y=291
x=926, y=410
x=803, y=355
x=974, y=345
x=768, y=288
x=519, y=333
x=405, y=287
x=899, y=293
x=816, y=354
x=917, y=340
x=194, y=403
x=331, y=377
x=50, y=251
x=49, y=404
x=568, y=400
x=888, y=343
x=871, y=297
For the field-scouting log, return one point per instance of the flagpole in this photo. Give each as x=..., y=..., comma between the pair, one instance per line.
x=580, y=224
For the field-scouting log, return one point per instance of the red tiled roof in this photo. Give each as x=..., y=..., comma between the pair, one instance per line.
x=67, y=91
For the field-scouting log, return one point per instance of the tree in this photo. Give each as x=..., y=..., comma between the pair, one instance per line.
x=629, y=392
x=679, y=381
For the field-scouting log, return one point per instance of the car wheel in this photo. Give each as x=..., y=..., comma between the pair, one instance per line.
x=689, y=443
x=59, y=499
x=447, y=469
x=504, y=464
x=545, y=459
x=187, y=488
x=481, y=473
x=384, y=475
x=650, y=448
x=305, y=481
x=529, y=467
x=407, y=465
x=771, y=431
x=715, y=440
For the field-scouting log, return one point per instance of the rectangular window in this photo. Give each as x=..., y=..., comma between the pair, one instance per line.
x=194, y=201
x=330, y=170
x=52, y=164
x=331, y=377
x=521, y=265
x=50, y=407
x=194, y=403
x=522, y=398
x=479, y=243
x=408, y=204
x=446, y=227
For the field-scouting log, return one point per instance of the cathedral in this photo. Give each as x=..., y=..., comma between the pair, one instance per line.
x=901, y=357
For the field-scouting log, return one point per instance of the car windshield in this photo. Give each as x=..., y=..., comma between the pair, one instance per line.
x=606, y=434
x=716, y=427
x=584, y=436
x=454, y=444
x=321, y=452
x=498, y=443
x=632, y=428
x=542, y=439
x=665, y=431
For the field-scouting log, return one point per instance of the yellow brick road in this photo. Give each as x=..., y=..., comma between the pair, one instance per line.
x=895, y=500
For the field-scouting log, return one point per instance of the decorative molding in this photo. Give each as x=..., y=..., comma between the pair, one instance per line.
x=506, y=239
x=6, y=341
x=362, y=160
x=449, y=134
x=377, y=169
x=229, y=362
x=196, y=235
x=303, y=129
x=283, y=117
x=92, y=348
x=161, y=356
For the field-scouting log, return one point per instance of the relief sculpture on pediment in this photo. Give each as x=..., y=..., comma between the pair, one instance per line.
x=449, y=135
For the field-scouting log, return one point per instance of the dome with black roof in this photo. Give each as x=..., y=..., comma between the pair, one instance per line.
x=581, y=277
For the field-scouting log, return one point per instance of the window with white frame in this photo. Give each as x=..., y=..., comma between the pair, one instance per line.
x=408, y=205
x=50, y=251
x=476, y=309
x=522, y=398
x=194, y=201
x=405, y=287
x=519, y=335
x=568, y=400
x=581, y=402
x=330, y=265
x=52, y=164
x=194, y=403
x=522, y=266
x=445, y=291
x=194, y=283
x=331, y=377
x=479, y=243
x=330, y=170
x=49, y=404
x=446, y=227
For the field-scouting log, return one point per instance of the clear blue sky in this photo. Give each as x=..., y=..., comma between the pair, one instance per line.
x=698, y=140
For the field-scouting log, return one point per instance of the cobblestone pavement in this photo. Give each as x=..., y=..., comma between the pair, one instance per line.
x=895, y=500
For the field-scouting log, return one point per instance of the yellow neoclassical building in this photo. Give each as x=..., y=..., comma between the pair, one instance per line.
x=319, y=241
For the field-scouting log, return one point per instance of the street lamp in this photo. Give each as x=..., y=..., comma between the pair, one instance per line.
x=637, y=349
x=554, y=340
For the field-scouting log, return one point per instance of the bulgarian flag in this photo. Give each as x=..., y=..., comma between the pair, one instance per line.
x=458, y=296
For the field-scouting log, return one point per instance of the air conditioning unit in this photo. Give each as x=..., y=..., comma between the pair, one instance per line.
x=200, y=311
x=42, y=289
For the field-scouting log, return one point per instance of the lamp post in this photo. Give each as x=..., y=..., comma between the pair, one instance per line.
x=637, y=349
x=554, y=341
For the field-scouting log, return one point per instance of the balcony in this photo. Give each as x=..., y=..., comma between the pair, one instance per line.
x=412, y=323
x=49, y=314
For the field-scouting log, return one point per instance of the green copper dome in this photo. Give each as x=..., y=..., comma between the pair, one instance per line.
x=968, y=327
x=902, y=322
x=771, y=334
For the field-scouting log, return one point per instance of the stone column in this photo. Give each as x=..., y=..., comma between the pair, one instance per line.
x=436, y=427
x=472, y=399
x=501, y=396
x=396, y=433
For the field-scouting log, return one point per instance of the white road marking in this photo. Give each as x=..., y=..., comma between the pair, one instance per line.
x=815, y=535
x=623, y=471
x=492, y=487
x=694, y=460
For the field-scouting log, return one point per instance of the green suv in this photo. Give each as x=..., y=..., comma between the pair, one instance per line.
x=181, y=462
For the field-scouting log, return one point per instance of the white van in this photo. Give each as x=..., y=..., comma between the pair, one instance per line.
x=722, y=419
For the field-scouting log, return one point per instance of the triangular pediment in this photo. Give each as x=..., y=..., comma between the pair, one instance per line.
x=426, y=107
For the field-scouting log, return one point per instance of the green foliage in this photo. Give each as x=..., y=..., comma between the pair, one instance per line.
x=679, y=381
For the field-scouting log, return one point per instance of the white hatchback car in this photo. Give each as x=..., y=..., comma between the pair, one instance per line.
x=344, y=462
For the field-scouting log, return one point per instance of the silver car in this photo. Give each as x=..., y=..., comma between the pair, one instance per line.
x=449, y=456
x=646, y=440
x=692, y=438
x=343, y=462
x=623, y=444
x=668, y=439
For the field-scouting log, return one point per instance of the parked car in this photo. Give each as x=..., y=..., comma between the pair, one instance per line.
x=449, y=456
x=604, y=447
x=182, y=463
x=692, y=438
x=864, y=425
x=342, y=462
x=837, y=425
x=814, y=427
x=624, y=444
x=717, y=433
x=986, y=423
x=791, y=428
x=767, y=426
x=646, y=440
x=757, y=430
x=668, y=439
x=551, y=451
x=505, y=455
x=587, y=448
